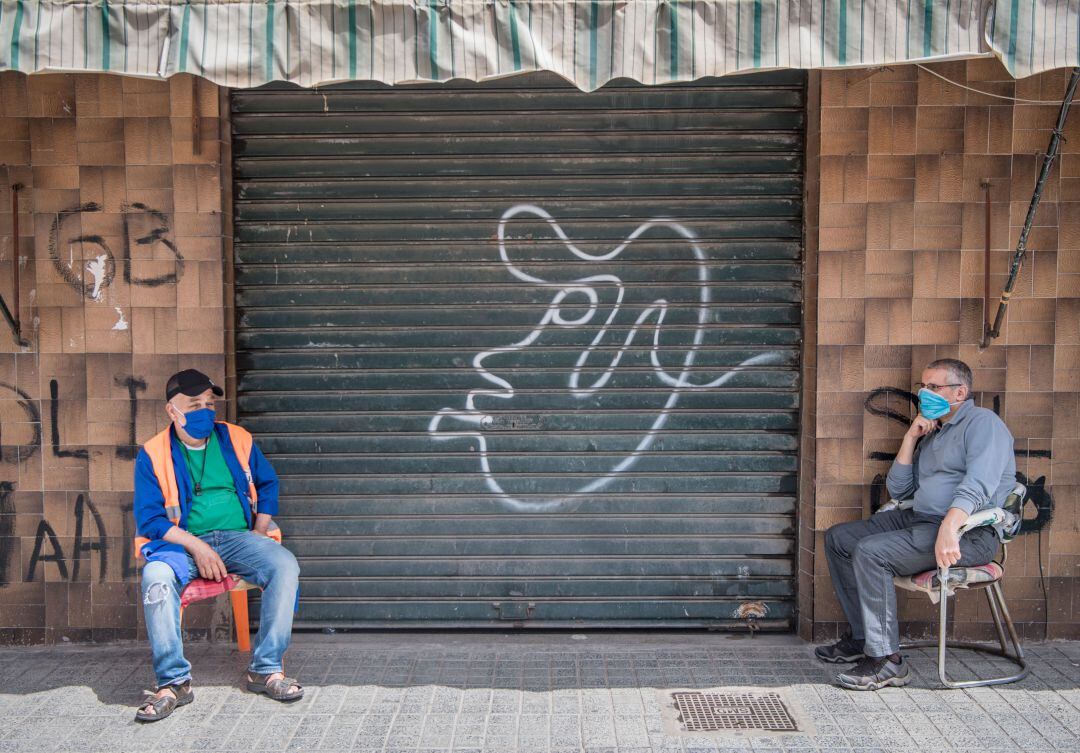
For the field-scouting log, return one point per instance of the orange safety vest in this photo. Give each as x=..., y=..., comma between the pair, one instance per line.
x=159, y=448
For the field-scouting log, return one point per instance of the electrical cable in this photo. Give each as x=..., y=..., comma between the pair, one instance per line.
x=989, y=94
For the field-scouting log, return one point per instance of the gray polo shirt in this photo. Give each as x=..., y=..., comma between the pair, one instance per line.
x=968, y=463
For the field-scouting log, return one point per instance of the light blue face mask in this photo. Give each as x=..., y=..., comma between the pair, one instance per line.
x=933, y=406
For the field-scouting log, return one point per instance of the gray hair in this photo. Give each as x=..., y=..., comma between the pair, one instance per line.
x=959, y=371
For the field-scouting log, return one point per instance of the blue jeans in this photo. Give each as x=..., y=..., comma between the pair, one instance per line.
x=258, y=560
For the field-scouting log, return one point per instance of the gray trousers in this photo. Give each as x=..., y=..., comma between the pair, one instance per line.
x=864, y=555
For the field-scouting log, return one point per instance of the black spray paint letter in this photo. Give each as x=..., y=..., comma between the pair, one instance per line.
x=134, y=386
x=57, y=556
x=54, y=414
x=103, y=256
x=99, y=545
x=7, y=530
x=16, y=453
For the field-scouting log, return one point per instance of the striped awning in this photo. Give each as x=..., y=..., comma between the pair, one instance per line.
x=245, y=43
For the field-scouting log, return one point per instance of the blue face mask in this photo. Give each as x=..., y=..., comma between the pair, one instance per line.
x=199, y=423
x=933, y=406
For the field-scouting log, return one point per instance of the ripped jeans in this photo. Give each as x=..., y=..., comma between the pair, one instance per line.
x=254, y=558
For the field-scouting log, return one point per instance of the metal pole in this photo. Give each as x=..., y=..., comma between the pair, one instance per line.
x=16, y=293
x=1021, y=244
x=986, y=262
x=12, y=317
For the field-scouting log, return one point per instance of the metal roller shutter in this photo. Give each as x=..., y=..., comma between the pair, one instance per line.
x=524, y=353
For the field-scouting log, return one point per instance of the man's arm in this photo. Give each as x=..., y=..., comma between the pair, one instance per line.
x=988, y=448
x=901, y=479
x=947, y=546
x=149, y=503
x=266, y=482
x=266, y=486
x=152, y=522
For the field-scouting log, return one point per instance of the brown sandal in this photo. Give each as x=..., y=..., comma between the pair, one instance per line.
x=166, y=704
x=278, y=688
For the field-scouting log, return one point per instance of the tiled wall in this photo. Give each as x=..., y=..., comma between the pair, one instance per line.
x=120, y=258
x=904, y=158
x=896, y=160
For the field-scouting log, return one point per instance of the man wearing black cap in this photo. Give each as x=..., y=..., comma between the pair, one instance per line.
x=204, y=499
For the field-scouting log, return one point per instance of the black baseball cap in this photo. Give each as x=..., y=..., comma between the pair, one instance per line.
x=190, y=382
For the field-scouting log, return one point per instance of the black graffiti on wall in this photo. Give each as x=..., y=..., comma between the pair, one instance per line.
x=83, y=544
x=151, y=227
x=886, y=402
x=134, y=386
x=90, y=530
x=13, y=325
x=128, y=568
x=142, y=226
x=14, y=452
x=54, y=414
x=7, y=529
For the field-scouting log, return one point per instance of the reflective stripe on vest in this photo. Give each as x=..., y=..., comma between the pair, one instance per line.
x=159, y=449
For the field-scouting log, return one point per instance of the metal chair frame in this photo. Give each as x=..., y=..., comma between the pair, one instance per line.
x=1002, y=622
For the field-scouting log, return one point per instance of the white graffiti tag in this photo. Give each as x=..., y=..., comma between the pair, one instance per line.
x=474, y=420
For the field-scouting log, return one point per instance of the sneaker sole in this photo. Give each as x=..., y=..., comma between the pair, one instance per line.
x=896, y=682
x=850, y=658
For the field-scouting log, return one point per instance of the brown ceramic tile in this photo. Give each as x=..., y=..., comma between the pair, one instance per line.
x=927, y=177
x=889, y=190
x=842, y=238
x=844, y=142
x=855, y=183
x=1036, y=333
x=935, y=141
x=844, y=118
x=890, y=285
x=843, y=215
x=976, y=130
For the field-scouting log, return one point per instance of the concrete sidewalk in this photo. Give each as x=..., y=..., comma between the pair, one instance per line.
x=527, y=693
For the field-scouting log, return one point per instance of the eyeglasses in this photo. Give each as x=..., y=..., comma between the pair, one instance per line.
x=934, y=387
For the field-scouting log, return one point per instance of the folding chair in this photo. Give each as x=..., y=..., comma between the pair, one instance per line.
x=944, y=582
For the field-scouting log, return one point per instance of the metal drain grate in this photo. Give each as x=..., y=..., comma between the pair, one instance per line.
x=710, y=712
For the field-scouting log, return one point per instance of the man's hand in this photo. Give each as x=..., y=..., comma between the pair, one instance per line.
x=920, y=427
x=947, y=547
x=207, y=560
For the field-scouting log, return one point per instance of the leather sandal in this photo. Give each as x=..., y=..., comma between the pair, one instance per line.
x=277, y=689
x=166, y=704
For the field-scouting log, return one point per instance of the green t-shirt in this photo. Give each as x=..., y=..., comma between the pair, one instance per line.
x=216, y=507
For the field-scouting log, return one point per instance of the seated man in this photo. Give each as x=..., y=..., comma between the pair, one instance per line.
x=955, y=460
x=204, y=497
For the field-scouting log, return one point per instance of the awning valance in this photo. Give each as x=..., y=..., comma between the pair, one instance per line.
x=244, y=43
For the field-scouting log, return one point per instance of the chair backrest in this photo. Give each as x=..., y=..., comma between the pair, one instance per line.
x=1014, y=505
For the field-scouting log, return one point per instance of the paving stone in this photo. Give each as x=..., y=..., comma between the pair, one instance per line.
x=518, y=694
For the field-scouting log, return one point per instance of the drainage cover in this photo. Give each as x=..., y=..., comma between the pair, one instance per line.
x=710, y=712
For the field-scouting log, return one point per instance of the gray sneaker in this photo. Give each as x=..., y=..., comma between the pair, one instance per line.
x=875, y=673
x=844, y=650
